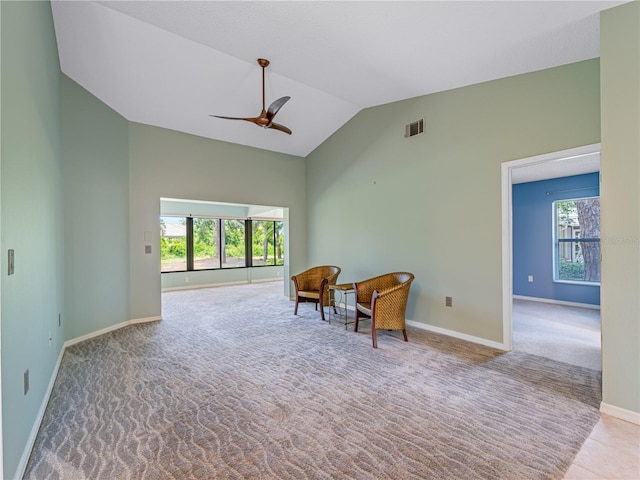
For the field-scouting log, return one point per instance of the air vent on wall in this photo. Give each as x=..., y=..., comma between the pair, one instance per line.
x=414, y=128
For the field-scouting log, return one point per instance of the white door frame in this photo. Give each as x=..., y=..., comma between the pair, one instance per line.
x=507, y=230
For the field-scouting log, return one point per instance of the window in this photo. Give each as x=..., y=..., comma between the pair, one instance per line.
x=200, y=243
x=267, y=242
x=206, y=254
x=173, y=244
x=577, y=240
x=234, y=243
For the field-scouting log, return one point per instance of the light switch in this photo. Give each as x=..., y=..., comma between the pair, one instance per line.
x=10, y=262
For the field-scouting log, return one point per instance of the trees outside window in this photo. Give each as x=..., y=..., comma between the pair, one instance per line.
x=278, y=230
x=173, y=244
x=233, y=243
x=267, y=242
x=577, y=240
x=206, y=252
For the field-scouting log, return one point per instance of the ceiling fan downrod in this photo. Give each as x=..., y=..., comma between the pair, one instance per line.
x=264, y=63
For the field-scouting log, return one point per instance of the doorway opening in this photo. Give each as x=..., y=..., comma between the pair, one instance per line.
x=545, y=312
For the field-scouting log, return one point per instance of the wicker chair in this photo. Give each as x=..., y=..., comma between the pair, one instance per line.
x=313, y=284
x=383, y=299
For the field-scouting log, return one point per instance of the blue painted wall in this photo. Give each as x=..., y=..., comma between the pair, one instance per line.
x=532, y=238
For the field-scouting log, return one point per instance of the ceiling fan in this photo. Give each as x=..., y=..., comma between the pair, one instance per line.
x=265, y=120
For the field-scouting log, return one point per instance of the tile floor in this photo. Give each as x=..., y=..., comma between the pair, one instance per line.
x=612, y=451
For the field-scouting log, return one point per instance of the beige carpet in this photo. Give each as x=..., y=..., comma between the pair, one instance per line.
x=564, y=333
x=232, y=385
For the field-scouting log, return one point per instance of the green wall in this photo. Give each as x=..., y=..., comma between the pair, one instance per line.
x=430, y=204
x=169, y=164
x=620, y=203
x=32, y=219
x=96, y=212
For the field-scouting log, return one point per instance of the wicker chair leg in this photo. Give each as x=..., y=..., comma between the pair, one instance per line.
x=355, y=325
x=321, y=309
x=374, y=334
x=295, y=310
x=404, y=332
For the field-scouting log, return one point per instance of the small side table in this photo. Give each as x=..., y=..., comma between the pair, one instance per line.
x=338, y=297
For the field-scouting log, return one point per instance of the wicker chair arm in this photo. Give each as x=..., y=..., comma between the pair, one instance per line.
x=393, y=291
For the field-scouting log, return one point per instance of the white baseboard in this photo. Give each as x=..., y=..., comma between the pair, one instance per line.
x=557, y=302
x=621, y=413
x=461, y=336
x=24, y=459
x=135, y=321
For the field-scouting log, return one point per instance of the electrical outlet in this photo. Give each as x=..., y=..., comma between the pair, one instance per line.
x=147, y=249
x=530, y=278
x=186, y=280
x=26, y=381
x=448, y=301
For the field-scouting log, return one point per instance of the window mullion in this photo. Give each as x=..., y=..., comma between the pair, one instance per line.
x=275, y=237
x=189, y=243
x=219, y=241
x=248, y=242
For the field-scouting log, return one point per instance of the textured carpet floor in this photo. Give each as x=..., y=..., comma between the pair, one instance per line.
x=232, y=385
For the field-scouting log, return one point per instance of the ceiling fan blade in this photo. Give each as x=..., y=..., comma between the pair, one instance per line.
x=275, y=106
x=277, y=126
x=229, y=118
x=256, y=120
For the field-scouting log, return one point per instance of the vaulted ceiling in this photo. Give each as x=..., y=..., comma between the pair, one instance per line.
x=174, y=63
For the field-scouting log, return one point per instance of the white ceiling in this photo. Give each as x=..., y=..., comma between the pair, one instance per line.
x=561, y=167
x=173, y=63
